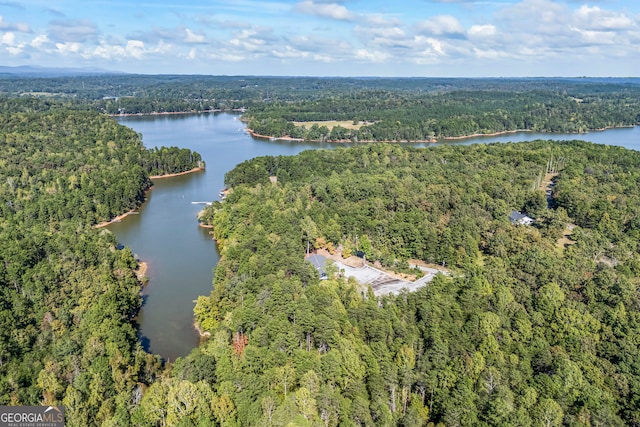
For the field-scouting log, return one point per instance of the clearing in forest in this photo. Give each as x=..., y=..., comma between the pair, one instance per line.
x=547, y=183
x=383, y=282
x=565, y=240
x=330, y=124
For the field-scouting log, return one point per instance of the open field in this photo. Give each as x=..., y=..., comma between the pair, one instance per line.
x=330, y=124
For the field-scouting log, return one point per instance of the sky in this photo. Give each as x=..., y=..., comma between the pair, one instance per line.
x=421, y=38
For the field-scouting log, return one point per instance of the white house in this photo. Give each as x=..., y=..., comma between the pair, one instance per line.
x=520, y=218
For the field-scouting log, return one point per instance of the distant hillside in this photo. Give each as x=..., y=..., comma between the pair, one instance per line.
x=35, y=71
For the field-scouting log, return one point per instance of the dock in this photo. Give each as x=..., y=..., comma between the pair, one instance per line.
x=223, y=193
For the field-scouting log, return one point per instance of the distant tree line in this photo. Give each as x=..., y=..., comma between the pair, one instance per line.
x=408, y=100
x=397, y=116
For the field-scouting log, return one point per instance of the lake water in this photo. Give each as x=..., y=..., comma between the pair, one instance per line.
x=180, y=254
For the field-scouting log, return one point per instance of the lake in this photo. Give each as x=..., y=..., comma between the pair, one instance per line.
x=180, y=254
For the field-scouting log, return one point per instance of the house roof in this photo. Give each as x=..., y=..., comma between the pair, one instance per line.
x=516, y=216
x=319, y=263
x=520, y=217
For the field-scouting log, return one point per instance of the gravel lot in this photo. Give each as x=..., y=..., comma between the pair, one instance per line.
x=383, y=283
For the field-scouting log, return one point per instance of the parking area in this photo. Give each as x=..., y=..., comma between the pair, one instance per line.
x=380, y=281
x=383, y=283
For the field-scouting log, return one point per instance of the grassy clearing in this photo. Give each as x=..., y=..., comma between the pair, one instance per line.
x=330, y=124
x=565, y=240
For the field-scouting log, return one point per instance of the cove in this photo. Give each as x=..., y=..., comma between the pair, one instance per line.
x=181, y=255
x=165, y=234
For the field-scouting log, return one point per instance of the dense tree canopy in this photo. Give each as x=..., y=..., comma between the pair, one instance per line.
x=537, y=325
x=527, y=330
x=67, y=291
x=401, y=116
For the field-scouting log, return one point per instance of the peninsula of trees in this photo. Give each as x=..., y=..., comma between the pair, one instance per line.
x=415, y=116
x=537, y=325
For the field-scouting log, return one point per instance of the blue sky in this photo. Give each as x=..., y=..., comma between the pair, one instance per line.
x=327, y=37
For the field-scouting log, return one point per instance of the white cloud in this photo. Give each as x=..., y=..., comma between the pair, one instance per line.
x=429, y=46
x=257, y=41
x=323, y=58
x=68, y=47
x=311, y=33
x=135, y=48
x=191, y=37
x=534, y=17
x=552, y=31
x=132, y=49
x=490, y=54
x=487, y=30
x=596, y=19
x=8, y=38
x=289, y=52
x=382, y=20
x=39, y=40
x=595, y=37
x=247, y=40
x=384, y=36
x=19, y=26
x=326, y=10
x=441, y=25
x=316, y=48
x=224, y=55
x=371, y=56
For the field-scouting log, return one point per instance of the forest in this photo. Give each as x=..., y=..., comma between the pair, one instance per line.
x=68, y=291
x=398, y=108
x=536, y=326
x=398, y=116
x=532, y=328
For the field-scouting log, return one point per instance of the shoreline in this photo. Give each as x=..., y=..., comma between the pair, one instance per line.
x=345, y=141
x=135, y=211
x=273, y=138
x=141, y=271
x=612, y=127
x=433, y=140
x=116, y=219
x=163, y=113
x=476, y=135
x=120, y=217
x=203, y=334
x=172, y=113
x=170, y=175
